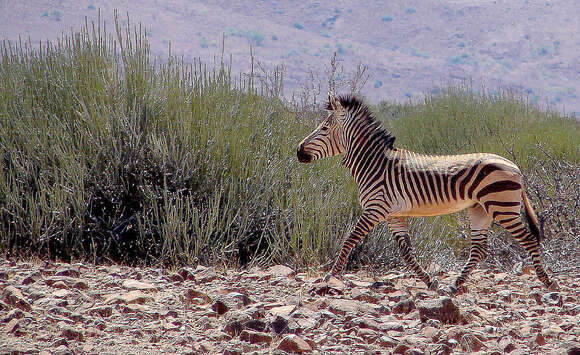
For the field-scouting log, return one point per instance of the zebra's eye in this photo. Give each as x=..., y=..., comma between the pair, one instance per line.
x=324, y=128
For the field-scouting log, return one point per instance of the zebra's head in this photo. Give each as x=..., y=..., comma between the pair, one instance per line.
x=327, y=139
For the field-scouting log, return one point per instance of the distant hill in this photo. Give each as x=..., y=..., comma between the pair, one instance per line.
x=409, y=47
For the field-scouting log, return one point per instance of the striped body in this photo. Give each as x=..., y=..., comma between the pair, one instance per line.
x=414, y=185
x=395, y=184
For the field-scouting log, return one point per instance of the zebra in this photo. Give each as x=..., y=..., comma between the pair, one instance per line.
x=395, y=184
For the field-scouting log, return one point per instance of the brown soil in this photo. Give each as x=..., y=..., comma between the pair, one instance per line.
x=83, y=308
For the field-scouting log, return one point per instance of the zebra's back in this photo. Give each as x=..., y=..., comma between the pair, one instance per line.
x=429, y=185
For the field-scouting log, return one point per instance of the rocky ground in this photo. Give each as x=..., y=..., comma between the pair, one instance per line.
x=82, y=308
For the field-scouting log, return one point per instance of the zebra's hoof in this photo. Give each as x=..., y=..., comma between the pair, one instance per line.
x=554, y=287
x=433, y=285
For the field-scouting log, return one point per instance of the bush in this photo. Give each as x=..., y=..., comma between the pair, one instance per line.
x=108, y=157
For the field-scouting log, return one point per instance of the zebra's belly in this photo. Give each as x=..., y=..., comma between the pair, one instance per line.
x=433, y=210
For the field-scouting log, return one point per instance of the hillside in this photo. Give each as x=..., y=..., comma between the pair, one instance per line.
x=409, y=47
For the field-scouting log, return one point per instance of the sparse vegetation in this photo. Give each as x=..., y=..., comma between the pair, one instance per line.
x=107, y=156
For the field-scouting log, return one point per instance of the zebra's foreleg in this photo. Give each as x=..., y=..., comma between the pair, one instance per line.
x=398, y=226
x=480, y=222
x=366, y=222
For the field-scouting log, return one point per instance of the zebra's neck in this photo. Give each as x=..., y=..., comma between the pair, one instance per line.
x=365, y=147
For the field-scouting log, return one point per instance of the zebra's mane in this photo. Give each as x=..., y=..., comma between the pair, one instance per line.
x=354, y=105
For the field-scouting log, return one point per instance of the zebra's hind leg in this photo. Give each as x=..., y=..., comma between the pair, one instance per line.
x=512, y=222
x=398, y=226
x=480, y=222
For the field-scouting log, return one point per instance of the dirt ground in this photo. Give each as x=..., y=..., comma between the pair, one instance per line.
x=82, y=308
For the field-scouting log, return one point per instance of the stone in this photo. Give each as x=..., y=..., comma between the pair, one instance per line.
x=14, y=327
x=282, y=310
x=540, y=340
x=220, y=307
x=281, y=271
x=32, y=278
x=283, y=325
x=103, y=311
x=364, y=322
x=369, y=335
x=552, y=298
x=71, y=333
x=233, y=327
x=442, y=309
x=131, y=284
x=343, y=306
x=506, y=344
x=255, y=337
x=471, y=343
x=404, y=306
x=195, y=296
x=68, y=272
x=14, y=297
x=387, y=342
x=294, y=344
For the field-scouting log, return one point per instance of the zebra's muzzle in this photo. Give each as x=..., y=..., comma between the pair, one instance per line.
x=303, y=157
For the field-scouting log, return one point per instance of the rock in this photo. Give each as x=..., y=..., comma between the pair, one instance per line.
x=256, y=324
x=471, y=343
x=255, y=337
x=187, y=273
x=294, y=344
x=14, y=327
x=195, y=296
x=442, y=309
x=431, y=333
x=32, y=278
x=505, y=295
x=233, y=327
x=552, y=298
x=506, y=344
x=363, y=295
x=283, y=325
x=131, y=284
x=387, y=342
x=46, y=302
x=392, y=326
x=342, y=306
x=397, y=296
x=539, y=339
x=281, y=271
x=81, y=285
x=69, y=272
x=369, y=335
x=12, y=296
x=61, y=293
x=282, y=310
x=60, y=285
x=175, y=277
x=241, y=298
x=404, y=306
x=401, y=349
x=220, y=307
x=134, y=297
x=71, y=333
x=364, y=322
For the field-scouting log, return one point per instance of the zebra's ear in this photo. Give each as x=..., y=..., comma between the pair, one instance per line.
x=334, y=102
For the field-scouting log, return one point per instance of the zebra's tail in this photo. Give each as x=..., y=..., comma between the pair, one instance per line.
x=531, y=218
